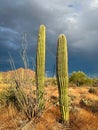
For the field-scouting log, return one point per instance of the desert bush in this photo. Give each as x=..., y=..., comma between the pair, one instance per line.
x=85, y=102
x=80, y=78
x=95, y=82
x=22, y=84
x=16, y=96
x=7, y=96
x=94, y=107
x=26, y=101
x=92, y=90
x=88, y=104
x=20, y=93
x=88, y=81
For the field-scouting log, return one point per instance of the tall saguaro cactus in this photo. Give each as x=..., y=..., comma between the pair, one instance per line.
x=40, y=66
x=62, y=77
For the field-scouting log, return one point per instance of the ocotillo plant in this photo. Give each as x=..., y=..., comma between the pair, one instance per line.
x=40, y=66
x=62, y=77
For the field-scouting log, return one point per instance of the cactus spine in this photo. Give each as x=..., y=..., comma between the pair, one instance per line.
x=40, y=66
x=62, y=77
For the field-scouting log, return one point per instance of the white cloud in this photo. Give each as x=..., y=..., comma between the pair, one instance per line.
x=94, y=4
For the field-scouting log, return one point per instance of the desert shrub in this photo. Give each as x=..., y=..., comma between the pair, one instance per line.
x=22, y=85
x=80, y=78
x=26, y=101
x=85, y=102
x=20, y=97
x=92, y=90
x=7, y=96
x=94, y=107
x=95, y=82
x=89, y=81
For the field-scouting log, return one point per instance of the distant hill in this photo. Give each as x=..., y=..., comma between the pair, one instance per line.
x=21, y=73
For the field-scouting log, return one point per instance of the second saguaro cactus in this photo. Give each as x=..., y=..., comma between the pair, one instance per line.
x=62, y=77
x=40, y=66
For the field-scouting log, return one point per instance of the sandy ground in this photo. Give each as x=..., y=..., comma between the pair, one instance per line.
x=10, y=119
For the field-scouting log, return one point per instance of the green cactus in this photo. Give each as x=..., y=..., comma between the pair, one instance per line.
x=40, y=66
x=62, y=77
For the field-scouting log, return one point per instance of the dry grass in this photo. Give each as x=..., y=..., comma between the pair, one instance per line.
x=10, y=118
x=80, y=118
x=83, y=120
x=3, y=86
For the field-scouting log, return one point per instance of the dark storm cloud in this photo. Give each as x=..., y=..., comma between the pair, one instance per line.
x=77, y=19
x=58, y=16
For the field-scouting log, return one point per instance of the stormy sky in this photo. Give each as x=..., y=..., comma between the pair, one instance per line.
x=78, y=20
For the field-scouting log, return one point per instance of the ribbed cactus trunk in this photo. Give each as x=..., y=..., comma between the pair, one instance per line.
x=40, y=67
x=62, y=77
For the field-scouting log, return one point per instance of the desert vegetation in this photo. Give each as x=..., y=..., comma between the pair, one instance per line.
x=31, y=101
